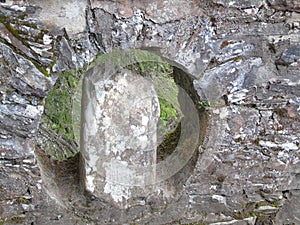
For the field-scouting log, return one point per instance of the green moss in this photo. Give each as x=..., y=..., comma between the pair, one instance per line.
x=123, y=59
x=20, y=20
x=203, y=104
x=58, y=105
x=151, y=68
x=12, y=30
x=15, y=32
x=59, y=156
x=52, y=64
x=275, y=203
x=160, y=73
x=57, y=117
x=41, y=69
x=239, y=139
x=21, y=200
x=59, y=102
x=167, y=111
x=262, y=203
x=10, y=91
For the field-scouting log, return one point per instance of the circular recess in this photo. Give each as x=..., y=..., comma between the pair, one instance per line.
x=178, y=124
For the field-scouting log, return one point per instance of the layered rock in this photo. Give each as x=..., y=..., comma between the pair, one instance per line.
x=241, y=57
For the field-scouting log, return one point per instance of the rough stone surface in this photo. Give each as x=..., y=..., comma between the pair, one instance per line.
x=240, y=56
x=69, y=15
x=120, y=114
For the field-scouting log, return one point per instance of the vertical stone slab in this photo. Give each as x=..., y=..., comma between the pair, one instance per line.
x=118, y=136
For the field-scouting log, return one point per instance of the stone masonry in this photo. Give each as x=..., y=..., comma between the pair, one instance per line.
x=240, y=58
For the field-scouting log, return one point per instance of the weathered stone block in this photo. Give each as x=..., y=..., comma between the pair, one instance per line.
x=118, y=137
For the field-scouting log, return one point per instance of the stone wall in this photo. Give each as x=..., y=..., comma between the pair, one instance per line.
x=240, y=59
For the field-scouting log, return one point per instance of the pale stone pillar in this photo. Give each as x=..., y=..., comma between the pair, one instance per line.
x=118, y=136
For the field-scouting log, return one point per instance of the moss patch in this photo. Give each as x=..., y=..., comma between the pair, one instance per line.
x=275, y=203
x=167, y=111
x=160, y=74
x=58, y=105
x=56, y=129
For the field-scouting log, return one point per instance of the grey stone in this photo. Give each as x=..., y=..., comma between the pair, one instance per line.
x=69, y=15
x=20, y=115
x=286, y=5
x=266, y=209
x=289, y=213
x=291, y=55
x=22, y=74
x=118, y=140
x=240, y=57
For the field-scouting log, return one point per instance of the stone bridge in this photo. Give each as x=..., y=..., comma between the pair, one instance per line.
x=238, y=61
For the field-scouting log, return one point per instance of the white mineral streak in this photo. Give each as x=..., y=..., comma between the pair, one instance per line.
x=219, y=198
x=285, y=146
x=47, y=39
x=223, y=113
x=119, y=137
